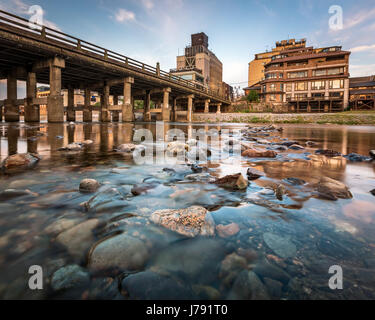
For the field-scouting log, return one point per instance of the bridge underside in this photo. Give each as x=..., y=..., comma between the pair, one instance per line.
x=56, y=60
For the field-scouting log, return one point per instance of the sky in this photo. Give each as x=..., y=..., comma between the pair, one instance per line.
x=158, y=30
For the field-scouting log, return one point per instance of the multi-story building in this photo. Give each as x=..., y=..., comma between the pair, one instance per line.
x=200, y=65
x=256, y=66
x=228, y=91
x=307, y=79
x=362, y=93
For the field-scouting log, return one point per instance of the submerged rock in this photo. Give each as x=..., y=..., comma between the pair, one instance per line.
x=78, y=239
x=143, y=188
x=355, y=157
x=189, y=222
x=235, y=182
x=69, y=277
x=253, y=174
x=282, y=246
x=332, y=189
x=14, y=193
x=122, y=252
x=228, y=230
x=19, y=162
x=230, y=267
x=296, y=147
x=295, y=181
x=328, y=153
x=89, y=186
x=149, y=285
x=176, y=148
x=253, y=153
x=248, y=287
x=311, y=143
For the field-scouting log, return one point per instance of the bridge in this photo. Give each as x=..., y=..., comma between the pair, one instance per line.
x=38, y=54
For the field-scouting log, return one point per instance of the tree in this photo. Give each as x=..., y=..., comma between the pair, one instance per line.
x=253, y=96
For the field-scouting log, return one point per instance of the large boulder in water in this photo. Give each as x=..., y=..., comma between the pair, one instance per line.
x=19, y=162
x=189, y=222
x=235, y=182
x=254, y=153
x=332, y=189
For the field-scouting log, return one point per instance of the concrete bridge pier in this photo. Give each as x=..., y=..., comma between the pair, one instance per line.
x=127, y=106
x=70, y=114
x=104, y=113
x=55, y=100
x=115, y=113
x=87, y=111
x=190, y=108
x=165, y=106
x=218, y=108
x=11, y=109
x=32, y=113
x=207, y=105
x=174, y=110
x=147, y=106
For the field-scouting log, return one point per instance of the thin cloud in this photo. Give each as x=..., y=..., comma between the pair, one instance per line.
x=124, y=16
x=358, y=18
x=363, y=48
x=362, y=70
x=148, y=4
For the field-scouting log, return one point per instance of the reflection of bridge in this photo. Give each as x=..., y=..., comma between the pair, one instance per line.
x=43, y=55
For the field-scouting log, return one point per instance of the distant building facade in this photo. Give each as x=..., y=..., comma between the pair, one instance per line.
x=362, y=93
x=200, y=65
x=307, y=79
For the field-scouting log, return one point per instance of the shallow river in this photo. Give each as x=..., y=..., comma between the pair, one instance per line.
x=283, y=248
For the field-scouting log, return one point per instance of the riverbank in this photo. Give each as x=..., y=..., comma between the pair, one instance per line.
x=342, y=118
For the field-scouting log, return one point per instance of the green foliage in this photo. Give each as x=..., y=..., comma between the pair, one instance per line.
x=253, y=96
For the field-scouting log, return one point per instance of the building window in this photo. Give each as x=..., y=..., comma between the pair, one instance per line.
x=318, y=85
x=300, y=96
x=330, y=72
x=264, y=89
x=272, y=97
x=336, y=94
x=288, y=87
x=300, y=86
x=272, y=87
x=299, y=74
x=319, y=72
x=281, y=87
x=336, y=84
x=271, y=76
x=281, y=75
x=288, y=97
x=317, y=95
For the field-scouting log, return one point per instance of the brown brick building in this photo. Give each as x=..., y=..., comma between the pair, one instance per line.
x=362, y=93
x=307, y=79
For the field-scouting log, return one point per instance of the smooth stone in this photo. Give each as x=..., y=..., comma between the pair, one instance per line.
x=235, y=182
x=206, y=292
x=253, y=153
x=78, y=239
x=140, y=189
x=19, y=162
x=274, y=287
x=75, y=146
x=332, y=189
x=282, y=246
x=253, y=174
x=296, y=147
x=189, y=222
x=127, y=147
x=265, y=269
x=13, y=193
x=248, y=286
x=230, y=267
x=311, y=143
x=355, y=157
x=149, y=285
x=228, y=230
x=89, y=186
x=60, y=226
x=328, y=153
x=69, y=277
x=122, y=252
x=289, y=143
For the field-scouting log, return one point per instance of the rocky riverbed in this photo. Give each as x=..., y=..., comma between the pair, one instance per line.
x=261, y=215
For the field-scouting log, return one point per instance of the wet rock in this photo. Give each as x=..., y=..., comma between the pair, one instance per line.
x=149, y=285
x=230, y=267
x=198, y=154
x=248, y=287
x=296, y=147
x=262, y=141
x=282, y=246
x=78, y=239
x=235, y=182
x=253, y=153
x=200, y=177
x=228, y=230
x=194, y=260
x=372, y=192
x=89, y=186
x=175, y=148
x=196, y=169
x=104, y=289
x=355, y=157
x=279, y=192
x=328, y=153
x=295, y=181
x=19, y=162
x=274, y=287
x=253, y=174
x=13, y=193
x=189, y=222
x=121, y=252
x=332, y=189
x=372, y=154
x=60, y=225
x=264, y=269
x=129, y=148
x=87, y=142
x=69, y=277
x=289, y=143
x=105, y=201
x=206, y=292
x=169, y=170
x=311, y=143
x=75, y=146
x=143, y=188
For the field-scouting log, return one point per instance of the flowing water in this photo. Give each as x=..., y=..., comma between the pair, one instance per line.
x=282, y=250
